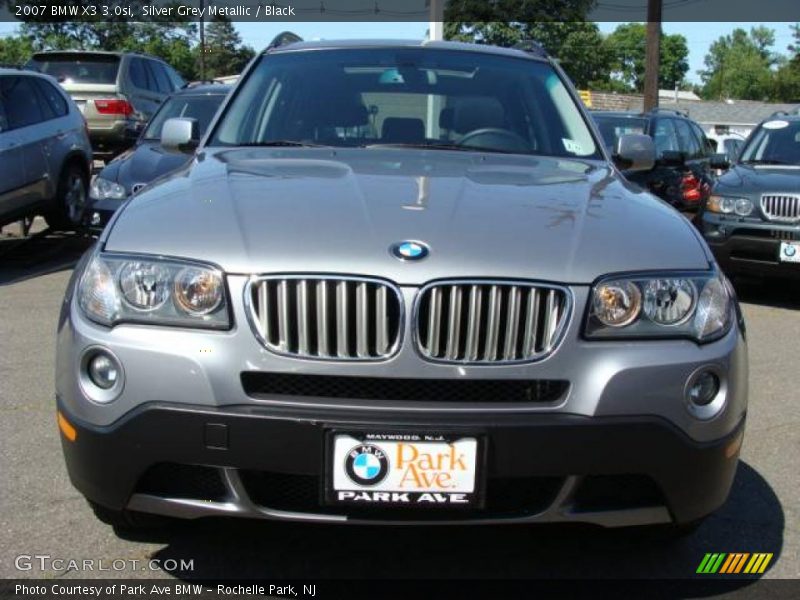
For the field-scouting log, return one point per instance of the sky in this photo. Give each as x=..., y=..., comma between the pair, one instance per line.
x=699, y=35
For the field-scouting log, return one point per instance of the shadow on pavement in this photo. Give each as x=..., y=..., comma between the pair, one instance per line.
x=751, y=521
x=40, y=254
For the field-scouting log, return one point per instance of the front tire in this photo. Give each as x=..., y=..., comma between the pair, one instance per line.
x=71, y=199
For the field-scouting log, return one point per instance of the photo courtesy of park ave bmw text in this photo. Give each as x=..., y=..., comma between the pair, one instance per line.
x=406, y=298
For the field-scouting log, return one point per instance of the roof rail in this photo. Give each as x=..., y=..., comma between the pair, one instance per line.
x=531, y=47
x=191, y=84
x=671, y=111
x=283, y=38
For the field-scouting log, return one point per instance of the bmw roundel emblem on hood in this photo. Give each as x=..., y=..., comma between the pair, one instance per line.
x=409, y=250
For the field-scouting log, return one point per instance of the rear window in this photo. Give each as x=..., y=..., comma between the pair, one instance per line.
x=612, y=128
x=78, y=68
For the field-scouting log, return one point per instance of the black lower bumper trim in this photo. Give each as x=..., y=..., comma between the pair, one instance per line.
x=107, y=463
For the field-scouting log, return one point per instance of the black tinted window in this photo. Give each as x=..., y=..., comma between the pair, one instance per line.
x=138, y=74
x=177, y=80
x=76, y=67
x=202, y=108
x=408, y=96
x=163, y=83
x=705, y=146
x=21, y=101
x=3, y=117
x=54, y=102
x=664, y=137
x=687, y=140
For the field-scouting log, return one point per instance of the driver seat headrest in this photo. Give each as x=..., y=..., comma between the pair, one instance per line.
x=478, y=113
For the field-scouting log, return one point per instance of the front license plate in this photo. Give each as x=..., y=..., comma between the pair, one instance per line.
x=408, y=470
x=789, y=252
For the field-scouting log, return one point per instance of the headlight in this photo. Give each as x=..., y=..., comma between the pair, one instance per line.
x=728, y=206
x=685, y=305
x=103, y=189
x=117, y=289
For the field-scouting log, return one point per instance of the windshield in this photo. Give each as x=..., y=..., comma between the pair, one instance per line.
x=407, y=97
x=613, y=127
x=774, y=143
x=203, y=108
x=78, y=68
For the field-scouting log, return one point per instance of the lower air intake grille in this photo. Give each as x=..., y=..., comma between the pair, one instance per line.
x=490, y=322
x=327, y=318
x=404, y=390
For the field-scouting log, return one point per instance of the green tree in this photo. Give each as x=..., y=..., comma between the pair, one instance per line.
x=627, y=44
x=578, y=45
x=739, y=65
x=225, y=53
x=14, y=50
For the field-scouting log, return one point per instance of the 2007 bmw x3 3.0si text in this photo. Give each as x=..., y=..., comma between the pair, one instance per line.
x=401, y=282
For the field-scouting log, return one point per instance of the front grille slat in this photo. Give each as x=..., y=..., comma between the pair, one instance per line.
x=342, y=349
x=531, y=322
x=453, y=323
x=331, y=318
x=492, y=324
x=503, y=322
x=302, y=317
x=381, y=322
x=323, y=349
x=512, y=324
x=435, y=319
x=362, y=321
x=473, y=322
x=283, y=315
x=781, y=207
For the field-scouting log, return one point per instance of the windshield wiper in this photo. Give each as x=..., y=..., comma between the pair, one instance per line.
x=285, y=143
x=440, y=146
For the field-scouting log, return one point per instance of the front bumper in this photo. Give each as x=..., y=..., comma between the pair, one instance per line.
x=617, y=447
x=269, y=464
x=750, y=248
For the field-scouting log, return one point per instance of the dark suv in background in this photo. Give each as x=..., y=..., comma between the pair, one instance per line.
x=752, y=219
x=116, y=92
x=682, y=175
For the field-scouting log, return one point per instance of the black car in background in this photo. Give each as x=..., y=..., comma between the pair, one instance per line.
x=147, y=160
x=682, y=175
x=751, y=221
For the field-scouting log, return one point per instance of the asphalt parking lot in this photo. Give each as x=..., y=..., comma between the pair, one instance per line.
x=40, y=513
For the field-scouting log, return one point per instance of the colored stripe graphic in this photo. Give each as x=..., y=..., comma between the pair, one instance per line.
x=733, y=563
x=711, y=563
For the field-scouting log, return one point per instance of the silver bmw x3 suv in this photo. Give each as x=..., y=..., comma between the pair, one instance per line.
x=401, y=282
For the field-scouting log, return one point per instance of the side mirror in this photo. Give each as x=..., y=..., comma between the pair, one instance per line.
x=672, y=158
x=720, y=161
x=179, y=135
x=635, y=152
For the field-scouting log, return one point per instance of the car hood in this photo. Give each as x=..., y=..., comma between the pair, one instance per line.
x=482, y=215
x=142, y=164
x=750, y=180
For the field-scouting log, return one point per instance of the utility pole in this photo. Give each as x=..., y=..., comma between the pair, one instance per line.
x=202, y=42
x=653, y=55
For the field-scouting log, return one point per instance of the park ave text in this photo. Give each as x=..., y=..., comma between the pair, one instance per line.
x=170, y=589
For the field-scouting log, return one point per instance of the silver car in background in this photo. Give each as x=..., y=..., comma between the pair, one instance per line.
x=45, y=155
x=401, y=282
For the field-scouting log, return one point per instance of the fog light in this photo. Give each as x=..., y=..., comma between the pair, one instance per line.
x=705, y=393
x=703, y=389
x=96, y=218
x=101, y=375
x=103, y=371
